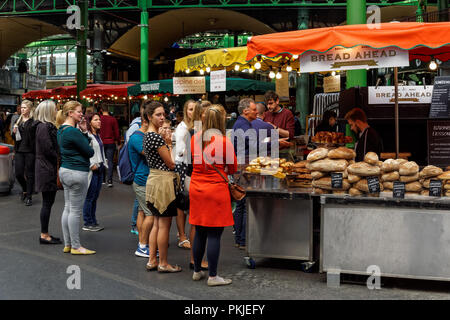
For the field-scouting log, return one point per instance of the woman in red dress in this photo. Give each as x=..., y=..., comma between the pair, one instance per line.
x=210, y=202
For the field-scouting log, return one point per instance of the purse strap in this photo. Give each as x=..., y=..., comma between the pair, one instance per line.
x=215, y=168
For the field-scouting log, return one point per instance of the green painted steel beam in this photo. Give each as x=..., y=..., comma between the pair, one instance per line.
x=52, y=43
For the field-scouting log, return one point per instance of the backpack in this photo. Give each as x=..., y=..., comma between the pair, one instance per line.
x=124, y=169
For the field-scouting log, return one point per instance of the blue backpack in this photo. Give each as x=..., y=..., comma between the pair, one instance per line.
x=124, y=169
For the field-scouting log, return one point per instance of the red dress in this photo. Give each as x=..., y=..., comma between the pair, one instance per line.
x=209, y=197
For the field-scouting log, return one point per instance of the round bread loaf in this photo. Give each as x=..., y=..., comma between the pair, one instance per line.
x=325, y=183
x=327, y=165
x=355, y=192
x=363, y=169
x=447, y=193
x=411, y=178
x=353, y=178
x=320, y=191
x=425, y=192
x=362, y=185
x=430, y=171
x=317, y=174
x=388, y=185
x=400, y=161
x=390, y=165
x=371, y=158
x=342, y=153
x=391, y=176
x=447, y=186
x=408, y=168
x=413, y=187
x=444, y=176
x=317, y=154
x=339, y=192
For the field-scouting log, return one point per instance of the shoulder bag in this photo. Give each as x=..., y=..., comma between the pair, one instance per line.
x=237, y=192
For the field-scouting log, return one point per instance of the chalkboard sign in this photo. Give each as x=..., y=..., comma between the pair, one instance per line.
x=399, y=190
x=373, y=184
x=336, y=180
x=439, y=142
x=440, y=98
x=435, y=188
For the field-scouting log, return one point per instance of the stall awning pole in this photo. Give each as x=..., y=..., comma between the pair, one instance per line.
x=397, y=137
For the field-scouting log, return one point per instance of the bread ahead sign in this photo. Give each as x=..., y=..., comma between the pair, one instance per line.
x=361, y=57
x=406, y=95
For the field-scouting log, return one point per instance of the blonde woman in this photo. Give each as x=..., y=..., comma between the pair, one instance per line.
x=75, y=151
x=24, y=135
x=46, y=164
x=210, y=203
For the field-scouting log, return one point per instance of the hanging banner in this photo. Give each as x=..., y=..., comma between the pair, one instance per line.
x=218, y=81
x=189, y=85
x=282, y=86
x=406, y=94
x=361, y=57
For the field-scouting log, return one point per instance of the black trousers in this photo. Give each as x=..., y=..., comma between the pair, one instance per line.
x=210, y=235
x=48, y=199
x=24, y=167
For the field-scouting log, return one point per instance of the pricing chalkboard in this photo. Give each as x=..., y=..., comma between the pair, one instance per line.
x=440, y=98
x=336, y=180
x=439, y=142
x=435, y=188
x=399, y=190
x=373, y=184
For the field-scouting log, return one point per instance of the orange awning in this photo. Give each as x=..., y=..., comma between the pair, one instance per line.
x=119, y=90
x=424, y=40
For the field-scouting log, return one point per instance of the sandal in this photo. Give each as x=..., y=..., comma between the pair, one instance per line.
x=185, y=244
x=169, y=269
x=151, y=267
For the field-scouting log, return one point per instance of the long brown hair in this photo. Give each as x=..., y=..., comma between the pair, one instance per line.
x=189, y=122
x=214, y=122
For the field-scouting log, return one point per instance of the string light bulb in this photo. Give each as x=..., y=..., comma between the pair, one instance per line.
x=432, y=65
x=271, y=74
x=278, y=75
x=236, y=67
x=202, y=72
x=208, y=69
x=250, y=70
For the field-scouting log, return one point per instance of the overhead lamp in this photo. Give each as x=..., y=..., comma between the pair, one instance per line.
x=333, y=73
x=187, y=70
x=289, y=68
x=433, y=65
x=145, y=97
x=202, y=72
x=271, y=74
x=257, y=65
x=236, y=67
x=208, y=69
x=278, y=75
x=295, y=56
x=166, y=99
x=250, y=70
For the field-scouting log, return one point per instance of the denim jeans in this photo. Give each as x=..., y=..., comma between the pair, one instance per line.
x=110, y=149
x=90, y=204
x=75, y=185
x=135, y=213
x=240, y=222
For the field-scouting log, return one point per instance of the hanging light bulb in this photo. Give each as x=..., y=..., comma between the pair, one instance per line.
x=278, y=75
x=208, y=69
x=289, y=68
x=187, y=70
x=432, y=65
x=257, y=65
x=295, y=56
x=202, y=72
x=333, y=73
x=236, y=67
x=166, y=99
x=250, y=70
x=145, y=97
x=271, y=74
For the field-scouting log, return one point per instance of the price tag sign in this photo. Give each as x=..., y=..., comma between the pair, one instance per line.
x=336, y=180
x=435, y=188
x=373, y=184
x=399, y=190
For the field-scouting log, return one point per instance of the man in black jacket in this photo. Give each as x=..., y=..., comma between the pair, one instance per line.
x=368, y=138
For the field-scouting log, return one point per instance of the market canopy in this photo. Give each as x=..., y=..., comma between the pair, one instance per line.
x=119, y=90
x=69, y=91
x=233, y=85
x=423, y=40
x=38, y=94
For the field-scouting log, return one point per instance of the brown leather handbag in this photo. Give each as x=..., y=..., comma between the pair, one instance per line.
x=237, y=192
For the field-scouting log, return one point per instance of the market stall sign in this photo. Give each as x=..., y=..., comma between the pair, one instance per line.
x=440, y=100
x=282, y=86
x=218, y=81
x=399, y=190
x=189, y=85
x=439, y=143
x=360, y=57
x=332, y=84
x=373, y=184
x=406, y=94
x=150, y=87
x=435, y=188
x=336, y=180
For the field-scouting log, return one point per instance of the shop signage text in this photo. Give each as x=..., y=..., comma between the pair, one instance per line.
x=189, y=85
x=150, y=87
x=361, y=57
x=406, y=94
x=439, y=143
x=218, y=81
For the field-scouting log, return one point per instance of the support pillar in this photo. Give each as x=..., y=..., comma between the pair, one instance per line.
x=98, y=47
x=144, y=40
x=82, y=48
x=443, y=10
x=356, y=14
x=302, y=88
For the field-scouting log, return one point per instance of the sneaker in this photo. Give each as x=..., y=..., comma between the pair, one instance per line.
x=96, y=228
x=87, y=228
x=198, y=276
x=218, y=281
x=28, y=202
x=110, y=183
x=134, y=230
x=144, y=253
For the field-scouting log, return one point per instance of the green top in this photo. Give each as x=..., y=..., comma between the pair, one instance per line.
x=74, y=149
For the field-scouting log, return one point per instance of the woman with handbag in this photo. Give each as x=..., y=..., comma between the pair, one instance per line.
x=210, y=201
x=46, y=165
x=162, y=185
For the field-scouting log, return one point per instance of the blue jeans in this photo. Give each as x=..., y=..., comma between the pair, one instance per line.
x=110, y=149
x=135, y=213
x=240, y=222
x=90, y=204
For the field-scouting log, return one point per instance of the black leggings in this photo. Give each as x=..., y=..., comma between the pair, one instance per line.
x=24, y=167
x=48, y=198
x=212, y=235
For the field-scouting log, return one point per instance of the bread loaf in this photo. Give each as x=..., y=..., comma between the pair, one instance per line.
x=444, y=176
x=413, y=187
x=425, y=183
x=325, y=183
x=317, y=154
x=355, y=192
x=390, y=165
x=353, y=178
x=317, y=174
x=371, y=158
x=425, y=193
x=320, y=191
x=391, y=176
x=430, y=171
x=408, y=168
x=342, y=153
x=447, y=193
x=344, y=173
x=401, y=161
x=339, y=192
x=363, y=169
x=362, y=185
x=300, y=164
x=447, y=186
x=327, y=165
x=388, y=185
x=412, y=178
